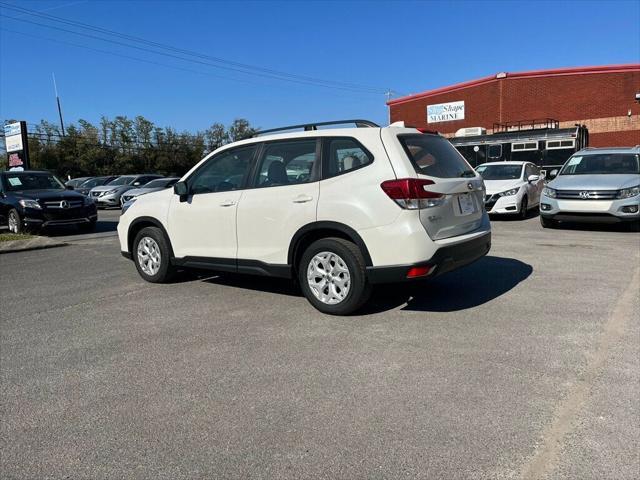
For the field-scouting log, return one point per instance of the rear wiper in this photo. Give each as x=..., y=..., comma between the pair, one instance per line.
x=468, y=173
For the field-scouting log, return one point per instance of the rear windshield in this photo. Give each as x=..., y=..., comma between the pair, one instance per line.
x=500, y=172
x=602, y=163
x=434, y=156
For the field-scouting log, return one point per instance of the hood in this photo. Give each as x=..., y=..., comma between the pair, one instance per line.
x=106, y=188
x=156, y=195
x=497, y=186
x=595, y=182
x=49, y=194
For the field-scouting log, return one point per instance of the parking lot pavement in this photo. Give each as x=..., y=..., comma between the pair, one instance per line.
x=522, y=365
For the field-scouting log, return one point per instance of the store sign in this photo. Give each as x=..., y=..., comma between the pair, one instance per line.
x=445, y=112
x=16, y=145
x=13, y=143
x=12, y=129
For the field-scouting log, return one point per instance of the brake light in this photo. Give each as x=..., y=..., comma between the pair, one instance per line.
x=411, y=194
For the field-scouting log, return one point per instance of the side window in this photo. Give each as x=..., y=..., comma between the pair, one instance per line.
x=288, y=162
x=223, y=172
x=344, y=154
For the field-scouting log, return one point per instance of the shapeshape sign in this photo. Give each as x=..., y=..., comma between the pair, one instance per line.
x=445, y=112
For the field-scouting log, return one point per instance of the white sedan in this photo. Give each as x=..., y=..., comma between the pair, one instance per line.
x=512, y=187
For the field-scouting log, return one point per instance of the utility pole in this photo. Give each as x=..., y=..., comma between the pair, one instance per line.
x=55, y=88
x=388, y=94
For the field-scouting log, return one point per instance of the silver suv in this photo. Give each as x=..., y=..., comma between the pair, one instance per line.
x=595, y=185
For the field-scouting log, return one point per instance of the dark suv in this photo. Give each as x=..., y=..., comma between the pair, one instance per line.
x=31, y=200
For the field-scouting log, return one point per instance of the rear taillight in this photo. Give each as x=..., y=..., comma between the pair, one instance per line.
x=411, y=193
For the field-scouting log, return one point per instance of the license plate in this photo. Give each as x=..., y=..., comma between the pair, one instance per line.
x=467, y=207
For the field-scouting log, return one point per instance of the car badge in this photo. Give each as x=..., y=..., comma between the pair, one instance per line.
x=584, y=195
x=64, y=204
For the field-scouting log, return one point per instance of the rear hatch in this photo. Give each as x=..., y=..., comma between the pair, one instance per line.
x=441, y=169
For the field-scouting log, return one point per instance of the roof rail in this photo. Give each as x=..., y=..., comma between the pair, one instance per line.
x=314, y=126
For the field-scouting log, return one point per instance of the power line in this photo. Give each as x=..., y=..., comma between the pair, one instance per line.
x=182, y=51
x=217, y=62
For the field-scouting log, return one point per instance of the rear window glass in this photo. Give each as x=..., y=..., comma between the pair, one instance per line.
x=435, y=156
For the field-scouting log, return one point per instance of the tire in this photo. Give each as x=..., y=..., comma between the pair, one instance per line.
x=155, y=248
x=547, y=222
x=87, y=227
x=524, y=208
x=336, y=252
x=14, y=222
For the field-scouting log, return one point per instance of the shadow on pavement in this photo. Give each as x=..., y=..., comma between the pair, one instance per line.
x=476, y=284
x=625, y=227
x=249, y=282
x=102, y=226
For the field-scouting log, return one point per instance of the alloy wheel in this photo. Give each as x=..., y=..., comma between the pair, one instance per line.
x=328, y=278
x=149, y=257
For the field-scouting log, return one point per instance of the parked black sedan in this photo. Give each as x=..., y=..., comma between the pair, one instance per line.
x=31, y=200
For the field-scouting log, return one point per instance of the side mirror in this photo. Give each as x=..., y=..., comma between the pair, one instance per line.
x=69, y=187
x=136, y=184
x=533, y=178
x=553, y=173
x=181, y=189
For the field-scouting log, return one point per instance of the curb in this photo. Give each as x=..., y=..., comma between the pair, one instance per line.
x=39, y=243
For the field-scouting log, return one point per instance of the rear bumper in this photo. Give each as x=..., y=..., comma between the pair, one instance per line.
x=444, y=260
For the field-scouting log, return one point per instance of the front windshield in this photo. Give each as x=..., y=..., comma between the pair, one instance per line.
x=602, y=164
x=20, y=181
x=92, y=182
x=124, y=180
x=158, y=183
x=500, y=172
x=74, y=182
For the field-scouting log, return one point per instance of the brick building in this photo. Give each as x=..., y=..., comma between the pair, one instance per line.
x=602, y=98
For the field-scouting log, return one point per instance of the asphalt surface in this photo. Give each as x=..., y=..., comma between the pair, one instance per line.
x=522, y=365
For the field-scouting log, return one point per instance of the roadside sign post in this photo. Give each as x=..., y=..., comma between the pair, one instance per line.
x=15, y=136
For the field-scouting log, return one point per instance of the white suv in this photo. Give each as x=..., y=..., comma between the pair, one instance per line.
x=337, y=209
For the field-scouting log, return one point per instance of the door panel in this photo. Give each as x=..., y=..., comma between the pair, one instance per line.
x=283, y=199
x=203, y=223
x=268, y=218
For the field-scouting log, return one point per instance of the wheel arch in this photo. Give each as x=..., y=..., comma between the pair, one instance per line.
x=311, y=232
x=143, y=222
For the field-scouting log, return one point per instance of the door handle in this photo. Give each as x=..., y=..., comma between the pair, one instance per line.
x=302, y=199
x=228, y=203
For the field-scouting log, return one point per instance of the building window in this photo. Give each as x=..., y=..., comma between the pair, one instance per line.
x=558, y=144
x=524, y=146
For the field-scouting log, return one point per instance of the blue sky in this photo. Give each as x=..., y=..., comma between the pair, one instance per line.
x=405, y=46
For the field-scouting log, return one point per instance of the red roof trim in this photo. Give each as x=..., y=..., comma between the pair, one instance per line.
x=534, y=73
